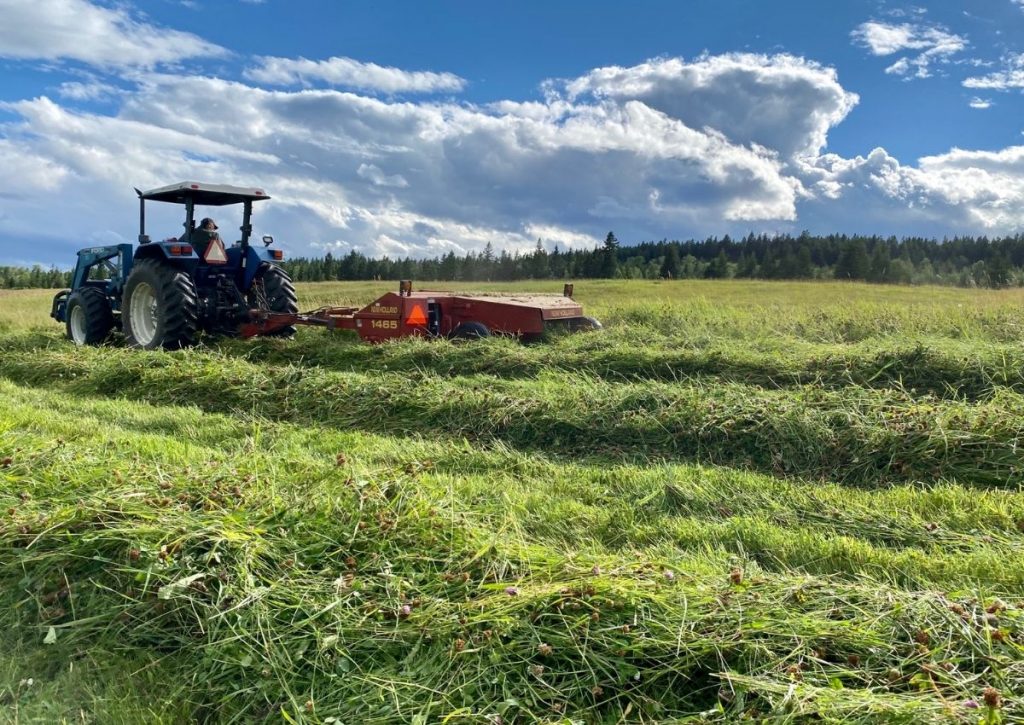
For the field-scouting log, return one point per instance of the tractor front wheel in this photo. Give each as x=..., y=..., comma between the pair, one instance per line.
x=89, y=317
x=279, y=295
x=159, y=307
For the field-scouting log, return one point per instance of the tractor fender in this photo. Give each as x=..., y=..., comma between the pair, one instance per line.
x=167, y=250
x=253, y=260
x=265, y=254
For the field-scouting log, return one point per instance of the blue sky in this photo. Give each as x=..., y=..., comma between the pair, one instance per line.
x=411, y=128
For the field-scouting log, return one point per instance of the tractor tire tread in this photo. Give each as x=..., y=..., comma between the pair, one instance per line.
x=281, y=295
x=99, y=318
x=180, y=301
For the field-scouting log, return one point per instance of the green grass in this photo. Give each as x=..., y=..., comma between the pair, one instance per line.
x=785, y=502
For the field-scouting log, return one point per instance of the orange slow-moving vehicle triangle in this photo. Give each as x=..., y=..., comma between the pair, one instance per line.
x=416, y=316
x=215, y=253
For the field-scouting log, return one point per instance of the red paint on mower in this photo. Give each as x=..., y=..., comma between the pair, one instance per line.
x=437, y=314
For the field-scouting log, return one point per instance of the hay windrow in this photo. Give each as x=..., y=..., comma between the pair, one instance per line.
x=855, y=435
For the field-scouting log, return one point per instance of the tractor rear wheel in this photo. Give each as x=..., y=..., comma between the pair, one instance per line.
x=279, y=293
x=89, y=317
x=470, y=331
x=159, y=307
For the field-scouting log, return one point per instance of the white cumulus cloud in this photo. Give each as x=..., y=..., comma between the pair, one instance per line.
x=1011, y=76
x=667, y=148
x=87, y=90
x=936, y=45
x=958, y=192
x=386, y=176
x=374, y=175
x=349, y=73
x=82, y=31
x=484, y=166
x=780, y=102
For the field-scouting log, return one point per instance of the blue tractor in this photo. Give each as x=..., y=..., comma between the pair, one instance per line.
x=164, y=294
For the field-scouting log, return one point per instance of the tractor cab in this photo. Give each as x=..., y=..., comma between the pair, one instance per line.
x=195, y=243
x=202, y=251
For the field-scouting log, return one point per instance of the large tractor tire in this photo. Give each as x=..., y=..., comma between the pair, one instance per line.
x=159, y=307
x=89, y=317
x=279, y=293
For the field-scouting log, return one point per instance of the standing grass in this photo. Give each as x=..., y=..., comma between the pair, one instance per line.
x=751, y=308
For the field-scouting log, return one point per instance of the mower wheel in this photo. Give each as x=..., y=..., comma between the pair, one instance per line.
x=470, y=331
x=89, y=317
x=159, y=307
x=583, y=324
x=280, y=294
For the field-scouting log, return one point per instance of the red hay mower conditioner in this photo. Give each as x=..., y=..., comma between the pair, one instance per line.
x=164, y=294
x=437, y=314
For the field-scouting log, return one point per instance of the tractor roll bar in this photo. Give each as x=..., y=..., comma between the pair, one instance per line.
x=246, y=227
x=143, y=237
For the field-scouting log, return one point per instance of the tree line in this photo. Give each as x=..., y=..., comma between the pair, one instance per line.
x=960, y=261
x=33, y=277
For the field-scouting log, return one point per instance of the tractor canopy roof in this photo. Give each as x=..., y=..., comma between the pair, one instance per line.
x=203, y=194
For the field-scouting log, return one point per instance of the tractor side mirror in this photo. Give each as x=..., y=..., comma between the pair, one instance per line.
x=268, y=240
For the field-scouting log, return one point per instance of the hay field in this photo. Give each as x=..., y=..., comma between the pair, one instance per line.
x=781, y=502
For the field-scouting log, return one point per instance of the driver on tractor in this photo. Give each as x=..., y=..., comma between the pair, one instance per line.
x=206, y=234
